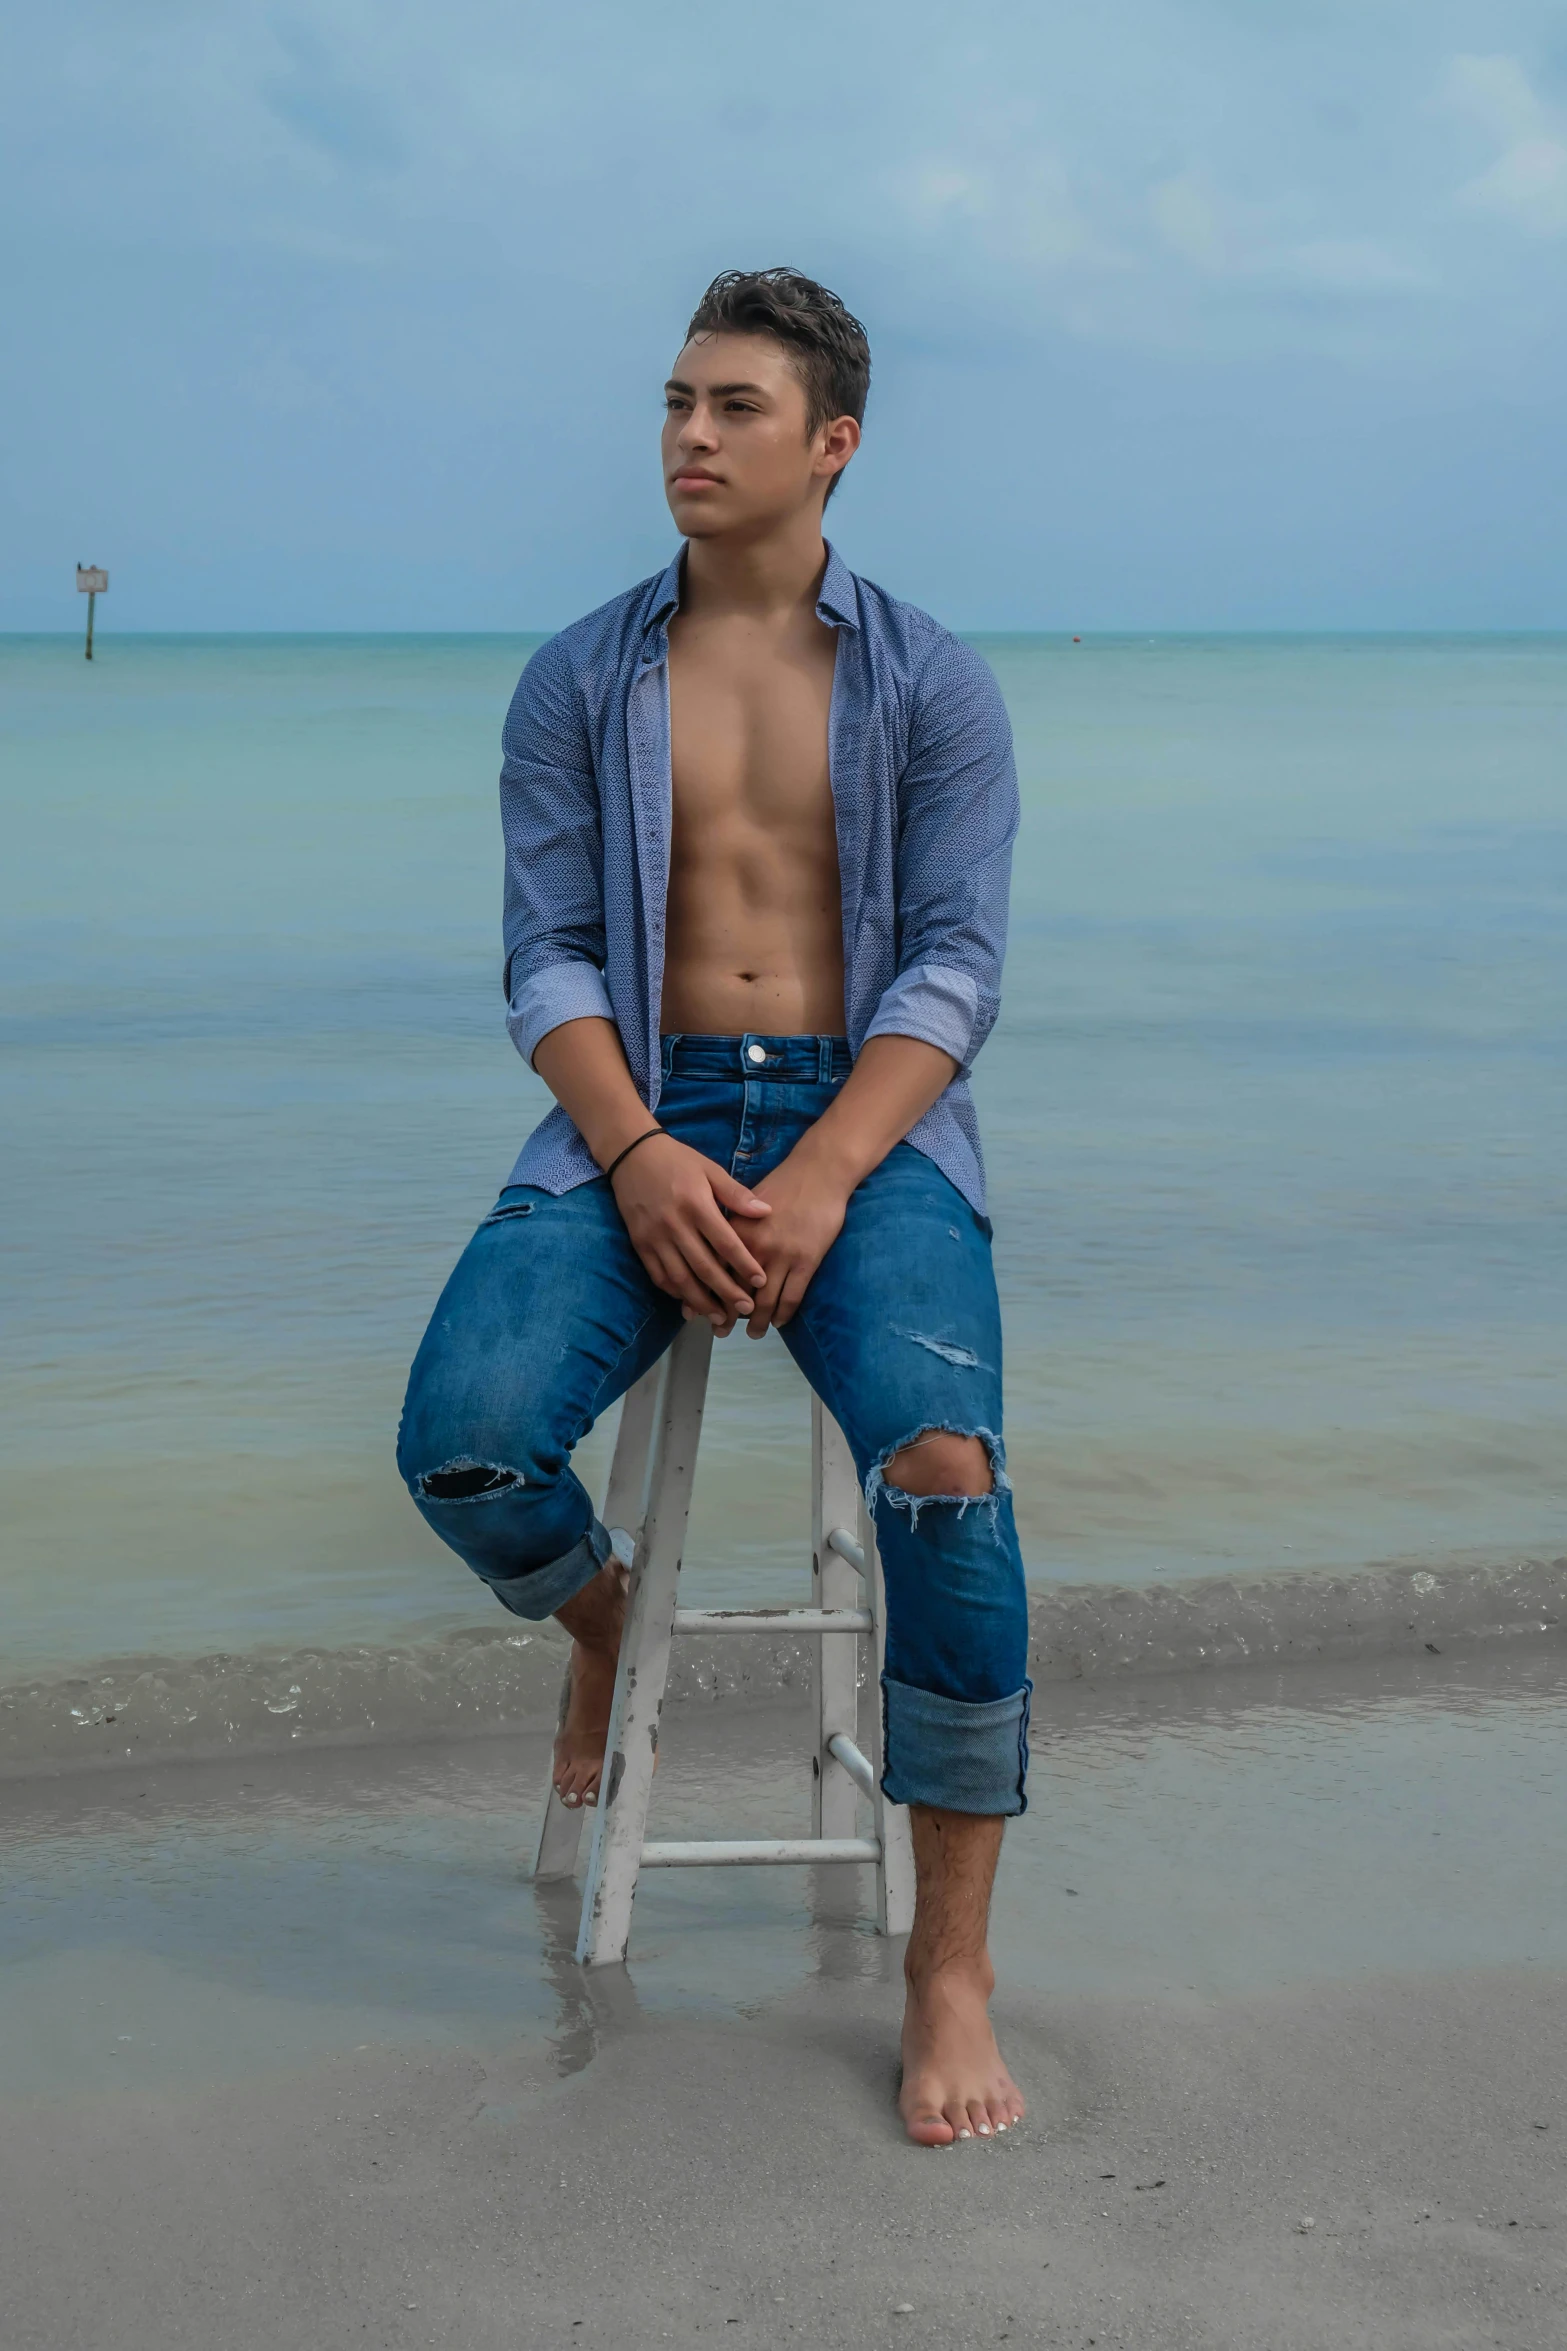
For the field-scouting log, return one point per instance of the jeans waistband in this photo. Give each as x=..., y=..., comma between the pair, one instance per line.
x=789, y=1061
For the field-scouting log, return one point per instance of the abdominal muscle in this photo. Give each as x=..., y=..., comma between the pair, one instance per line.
x=754, y=939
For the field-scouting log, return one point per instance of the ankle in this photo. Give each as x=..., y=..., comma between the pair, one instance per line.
x=595, y=1616
x=930, y=1974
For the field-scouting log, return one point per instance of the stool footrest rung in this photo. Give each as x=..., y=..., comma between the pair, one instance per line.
x=666, y=1853
x=854, y=1763
x=773, y=1620
x=841, y=1541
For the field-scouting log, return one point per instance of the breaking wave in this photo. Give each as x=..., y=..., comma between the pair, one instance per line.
x=472, y=1682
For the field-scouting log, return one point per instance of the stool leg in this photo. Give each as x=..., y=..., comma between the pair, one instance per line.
x=560, y=1832
x=895, y=1872
x=835, y=1502
x=632, y=1746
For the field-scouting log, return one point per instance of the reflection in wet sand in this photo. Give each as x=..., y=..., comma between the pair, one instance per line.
x=1219, y=1833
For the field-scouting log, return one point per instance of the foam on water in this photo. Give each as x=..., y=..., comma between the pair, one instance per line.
x=475, y=1682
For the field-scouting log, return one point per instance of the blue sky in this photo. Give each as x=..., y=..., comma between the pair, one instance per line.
x=1224, y=314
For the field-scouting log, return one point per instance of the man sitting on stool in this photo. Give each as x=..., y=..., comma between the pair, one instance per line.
x=758, y=819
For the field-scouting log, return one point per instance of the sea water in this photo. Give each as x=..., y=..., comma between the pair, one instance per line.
x=1274, y=1114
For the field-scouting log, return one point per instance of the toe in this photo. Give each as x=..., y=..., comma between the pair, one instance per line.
x=979, y=2118
x=576, y=1781
x=958, y=2120
x=999, y=2111
x=927, y=2128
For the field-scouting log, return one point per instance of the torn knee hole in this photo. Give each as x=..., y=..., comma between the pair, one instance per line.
x=464, y=1481
x=938, y=1469
x=940, y=1461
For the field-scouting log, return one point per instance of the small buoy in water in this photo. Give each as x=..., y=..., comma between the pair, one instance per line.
x=1077, y=640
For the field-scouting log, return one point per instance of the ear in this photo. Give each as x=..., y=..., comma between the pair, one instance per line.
x=835, y=445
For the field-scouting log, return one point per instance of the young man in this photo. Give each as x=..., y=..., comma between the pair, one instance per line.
x=758, y=822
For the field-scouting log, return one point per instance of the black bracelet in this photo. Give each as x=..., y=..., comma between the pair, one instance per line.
x=644, y=1137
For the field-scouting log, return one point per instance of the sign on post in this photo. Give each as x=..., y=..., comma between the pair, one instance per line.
x=91, y=583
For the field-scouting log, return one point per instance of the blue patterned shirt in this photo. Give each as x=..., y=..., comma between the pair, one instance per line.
x=925, y=796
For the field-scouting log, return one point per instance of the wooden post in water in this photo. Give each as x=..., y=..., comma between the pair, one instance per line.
x=91, y=583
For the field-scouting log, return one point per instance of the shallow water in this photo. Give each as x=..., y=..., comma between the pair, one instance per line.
x=1190, y=1836
x=1275, y=1118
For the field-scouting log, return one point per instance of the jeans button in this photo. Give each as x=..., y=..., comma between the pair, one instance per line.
x=755, y=1053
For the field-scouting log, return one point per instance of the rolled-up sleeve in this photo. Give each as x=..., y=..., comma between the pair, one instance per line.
x=553, y=926
x=957, y=818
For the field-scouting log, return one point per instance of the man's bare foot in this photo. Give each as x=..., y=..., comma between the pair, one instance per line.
x=594, y=1617
x=955, y=2085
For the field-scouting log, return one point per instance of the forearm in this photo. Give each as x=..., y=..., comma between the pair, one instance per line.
x=583, y=1063
x=892, y=1085
x=679, y=1207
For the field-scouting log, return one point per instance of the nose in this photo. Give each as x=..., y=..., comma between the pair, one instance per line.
x=696, y=431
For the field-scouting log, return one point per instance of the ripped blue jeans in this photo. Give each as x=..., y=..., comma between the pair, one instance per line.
x=550, y=1316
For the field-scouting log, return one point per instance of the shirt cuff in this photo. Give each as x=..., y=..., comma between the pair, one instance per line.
x=933, y=1002
x=561, y=991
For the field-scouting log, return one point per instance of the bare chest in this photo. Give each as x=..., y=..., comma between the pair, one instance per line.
x=749, y=728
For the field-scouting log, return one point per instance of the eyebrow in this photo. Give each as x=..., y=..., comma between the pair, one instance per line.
x=677, y=384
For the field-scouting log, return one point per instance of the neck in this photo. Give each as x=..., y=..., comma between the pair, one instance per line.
x=764, y=576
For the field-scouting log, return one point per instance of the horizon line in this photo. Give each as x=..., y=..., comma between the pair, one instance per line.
x=1116, y=631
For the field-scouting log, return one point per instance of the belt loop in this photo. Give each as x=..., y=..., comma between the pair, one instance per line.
x=670, y=1043
x=824, y=1061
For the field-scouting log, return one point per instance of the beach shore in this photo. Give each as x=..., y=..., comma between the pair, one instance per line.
x=295, y=2055
x=501, y=1674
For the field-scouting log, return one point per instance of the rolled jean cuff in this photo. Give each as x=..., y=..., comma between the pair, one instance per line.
x=956, y=1753
x=542, y=1590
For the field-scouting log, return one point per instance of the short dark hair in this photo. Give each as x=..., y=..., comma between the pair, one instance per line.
x=825, y=341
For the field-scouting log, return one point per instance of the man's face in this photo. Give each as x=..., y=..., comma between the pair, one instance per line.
x=736, y=452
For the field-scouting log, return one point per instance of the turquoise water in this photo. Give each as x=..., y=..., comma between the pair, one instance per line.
x=1275, y=1118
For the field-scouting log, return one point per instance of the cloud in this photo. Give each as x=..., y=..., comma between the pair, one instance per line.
x=1190, y=220
x=1017, y=200
x=1356, y=265
x=1193, y=220
x=323, y=104
x=1527, y=183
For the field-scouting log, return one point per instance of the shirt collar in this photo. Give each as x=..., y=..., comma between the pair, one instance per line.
x=837, y=602
x=838, y=598
x=665, y=598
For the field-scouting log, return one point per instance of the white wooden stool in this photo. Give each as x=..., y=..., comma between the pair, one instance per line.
x=645, y=1509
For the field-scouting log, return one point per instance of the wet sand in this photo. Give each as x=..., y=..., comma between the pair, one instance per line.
x=292, y=2054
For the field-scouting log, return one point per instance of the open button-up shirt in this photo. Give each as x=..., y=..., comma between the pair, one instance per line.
x=925, y=796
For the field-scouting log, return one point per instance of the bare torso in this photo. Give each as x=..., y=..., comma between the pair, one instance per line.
x=754, y=936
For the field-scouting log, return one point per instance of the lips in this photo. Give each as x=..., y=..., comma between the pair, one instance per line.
x=688, y=476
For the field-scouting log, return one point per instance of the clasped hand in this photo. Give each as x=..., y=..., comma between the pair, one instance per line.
x=725, y=1252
